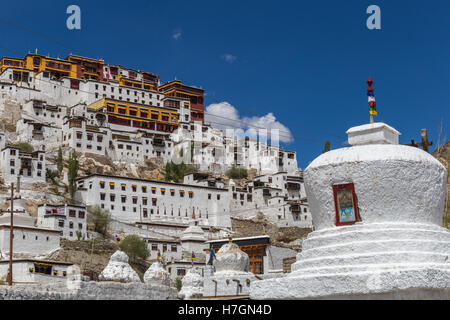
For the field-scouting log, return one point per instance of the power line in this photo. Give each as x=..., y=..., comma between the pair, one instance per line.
x=41, y=35
x=76, y=50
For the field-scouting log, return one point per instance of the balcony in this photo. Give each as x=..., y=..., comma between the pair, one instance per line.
x=158, y=142
x=293, y=186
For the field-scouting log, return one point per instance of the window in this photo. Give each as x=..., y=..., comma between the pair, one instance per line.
x=144, y=201
x=135, y=199
x=144, y=212
x=72, y=213
x=181, y=272
x=173, y=248
x=191, y=194
x=112, y=197
x=144, y=189
x=218, y=197
x=124, y=199
x=209, y=196
x=81, y=214
x=164, y=247
x=71, y=225
x=154, y=247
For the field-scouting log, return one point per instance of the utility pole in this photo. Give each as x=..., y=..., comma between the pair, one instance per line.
x=425, y=144
x=11, y=236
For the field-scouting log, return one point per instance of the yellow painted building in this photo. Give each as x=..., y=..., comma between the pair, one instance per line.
x=137, y=115
x=56, y=67
x=14, y=63
x=135, y=83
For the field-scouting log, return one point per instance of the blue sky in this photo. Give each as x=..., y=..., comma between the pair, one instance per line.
x=306, y=62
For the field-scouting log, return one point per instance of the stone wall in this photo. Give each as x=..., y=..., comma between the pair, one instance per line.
x=89, y=291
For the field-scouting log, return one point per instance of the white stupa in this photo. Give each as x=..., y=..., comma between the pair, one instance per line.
x=119, y=270
x=192, y=284
x=156, y=274
x=377, y=211
x=231, y=276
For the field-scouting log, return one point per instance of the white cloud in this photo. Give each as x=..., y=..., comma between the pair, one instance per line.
x=225, y=116
x=177, y=34
x=228, y=57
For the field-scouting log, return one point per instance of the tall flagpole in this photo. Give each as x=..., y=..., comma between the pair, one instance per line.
x=372, y=102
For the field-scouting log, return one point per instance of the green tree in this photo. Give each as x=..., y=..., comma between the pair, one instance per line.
x=135, y=247
x=73, y=173
x=237, y=173
x=179, y=283
x=326, y=148
x=59, y=160
x=99, y=218
x=52, y=175
x=176, y=172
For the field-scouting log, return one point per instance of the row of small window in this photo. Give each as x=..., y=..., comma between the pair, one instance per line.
x=61, y=224
x=62, y=234
x=299, y=217
x=173, y=247
x=39, y=173
x=145, y=212
x=35, y=237
x=52, y=115
x=144, y=189
x=12, y=163
x=112, y=196
x=128, y=92
x=12, y=152
x=242, y=196
x=128, y=100
x=72, y=213
x=89, y=147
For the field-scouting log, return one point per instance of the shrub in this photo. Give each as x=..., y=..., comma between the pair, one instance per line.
x=179, y=283
x=176, y=172
x=135, y=247
x=23, y=147
x=99, y=218
x=52, y=175
x=237, y=173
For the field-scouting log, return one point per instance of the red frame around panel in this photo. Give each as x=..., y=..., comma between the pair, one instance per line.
x=336, y=188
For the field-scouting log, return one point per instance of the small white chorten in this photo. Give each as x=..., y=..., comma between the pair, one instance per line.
x=157, y=275
x=377, y=211
x=193, y=238
x=231, y=276
x=192, y=284
x=119, y=270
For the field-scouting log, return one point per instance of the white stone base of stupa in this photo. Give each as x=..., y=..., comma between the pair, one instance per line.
x=371, y=261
